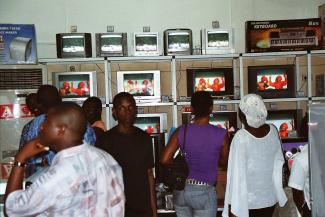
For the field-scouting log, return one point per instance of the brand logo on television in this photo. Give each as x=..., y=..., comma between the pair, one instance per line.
x=265, y=26
x=9, y=111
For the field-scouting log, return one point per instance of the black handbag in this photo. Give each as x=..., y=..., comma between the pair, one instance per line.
x=175, y=174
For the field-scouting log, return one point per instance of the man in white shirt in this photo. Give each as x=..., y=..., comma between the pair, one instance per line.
x=299, y=182
x=82, y=180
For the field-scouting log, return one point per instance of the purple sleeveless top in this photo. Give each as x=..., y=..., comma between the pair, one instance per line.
x=203, y=146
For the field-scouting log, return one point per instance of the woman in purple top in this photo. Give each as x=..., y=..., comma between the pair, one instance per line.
x=206, y=149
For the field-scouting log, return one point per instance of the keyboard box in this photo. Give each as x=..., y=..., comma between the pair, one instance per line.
x=283, y=35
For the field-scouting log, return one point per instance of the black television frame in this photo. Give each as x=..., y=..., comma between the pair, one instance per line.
x=229, y=81
x=100, y=53
x=87, y=46
x=297, y=115
x=290, y=92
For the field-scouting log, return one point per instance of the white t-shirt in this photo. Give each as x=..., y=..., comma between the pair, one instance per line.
x=299, y=177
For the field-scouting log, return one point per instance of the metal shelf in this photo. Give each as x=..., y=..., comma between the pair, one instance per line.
x=139, y=59
x=318, y=98
x=215, y=102
x=204, y=57
x=317, y=52
x=148, y=104
x=55, y=61
x=287, y=99
x=274, y=54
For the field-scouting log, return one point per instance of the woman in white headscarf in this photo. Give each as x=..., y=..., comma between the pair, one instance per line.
x=254, y=176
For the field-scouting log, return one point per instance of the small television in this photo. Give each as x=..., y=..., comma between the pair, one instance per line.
x=218, y=81
x=152, y=122
x=288, y=122
x=158, y=145
x=217, y=41
x=178, y=42
x=146, y=44
x=276, y=81
x=73, y=45
x=75, y=86
x=143, y=85
x=111, y=44
x=221, y=119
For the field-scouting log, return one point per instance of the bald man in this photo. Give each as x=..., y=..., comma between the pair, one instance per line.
x=82, y=180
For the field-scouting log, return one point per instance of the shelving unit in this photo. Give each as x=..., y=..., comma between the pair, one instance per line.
x=238, y=62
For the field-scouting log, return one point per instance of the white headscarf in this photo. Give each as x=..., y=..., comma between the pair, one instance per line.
x=254, y=109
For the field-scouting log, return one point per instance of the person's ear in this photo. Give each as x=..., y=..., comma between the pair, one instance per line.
x=62, y=129
x=114, y=113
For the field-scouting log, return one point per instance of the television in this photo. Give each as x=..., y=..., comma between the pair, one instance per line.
x=178, y=42
x=158, y=145
x=288, y=122
x=111, y=44
x=143, y=85
x=75, y=86
x=276, y=81
x=152, y=122
x=218, y=81
x=221, y=119
x=217, y=41
x=146, y=44
x=73, y=45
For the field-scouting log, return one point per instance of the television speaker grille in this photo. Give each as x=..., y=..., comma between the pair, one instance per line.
x=13, y=79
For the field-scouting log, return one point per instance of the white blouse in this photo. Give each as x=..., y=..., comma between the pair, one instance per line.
x=254, y=176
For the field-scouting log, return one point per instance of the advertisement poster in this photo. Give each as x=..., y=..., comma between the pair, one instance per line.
x=17, y=44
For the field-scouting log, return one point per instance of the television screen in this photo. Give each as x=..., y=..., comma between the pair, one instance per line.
x=143, y=85
x=272, y=81
x=217, y=81
x=178, y=41
x=148, y=124
x=218, y=39
x=139, y=84
x=286, y=121
x=146, y=42
x=73, y=43
x=111, y=43
x=75, y=85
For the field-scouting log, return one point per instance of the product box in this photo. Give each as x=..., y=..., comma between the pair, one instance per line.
x=283, y=35
x=321, y=13
x=17, y=44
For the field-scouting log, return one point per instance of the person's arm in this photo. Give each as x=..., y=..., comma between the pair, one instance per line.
x=223, y=160
x=298, y=198
x=170, y=149
x=153, y=199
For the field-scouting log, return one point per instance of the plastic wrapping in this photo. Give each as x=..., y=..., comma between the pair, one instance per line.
x=316, y=158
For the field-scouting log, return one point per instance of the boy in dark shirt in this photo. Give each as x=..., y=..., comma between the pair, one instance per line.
x=131, y=147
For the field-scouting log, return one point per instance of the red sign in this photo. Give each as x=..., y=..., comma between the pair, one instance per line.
x=9, y=111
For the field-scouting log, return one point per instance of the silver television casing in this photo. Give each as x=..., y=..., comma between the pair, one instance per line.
x=132, y=43
x=217, y=50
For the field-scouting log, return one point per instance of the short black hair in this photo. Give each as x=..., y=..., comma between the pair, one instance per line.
x=92, y=108
x=121, y=96
x=201, y=102
x=48, y=96
x=32, y=103
x=72, y=115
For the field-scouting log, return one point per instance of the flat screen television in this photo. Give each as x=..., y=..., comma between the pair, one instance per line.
x=111, y=44
x=75, y=86
x=178, y=42
x=218, y=81
x=276, y=81
x=158, y=145
x=222, y=119
x=146, y=44
x=217, y=41
x=143, y=85
x=288, y=122
x=70, y=45
x=152, y=122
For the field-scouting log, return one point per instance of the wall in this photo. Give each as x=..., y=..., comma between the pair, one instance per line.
x=51, y=17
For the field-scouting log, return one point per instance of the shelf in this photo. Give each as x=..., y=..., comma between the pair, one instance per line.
x=287, y=99
x=165, y=211
x=274, y=54
x=139, y=59
x=54, y=61
x=204, y=57
x=317, y=52
x=318, y=98
x=147, y=104
x=215, y=102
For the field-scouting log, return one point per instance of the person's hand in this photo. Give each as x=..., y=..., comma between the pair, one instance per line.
x=30, y=149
